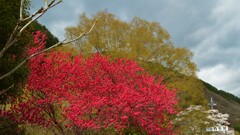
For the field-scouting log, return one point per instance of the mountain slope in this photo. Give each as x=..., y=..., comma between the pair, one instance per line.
x=194, y=91
x=226, y=103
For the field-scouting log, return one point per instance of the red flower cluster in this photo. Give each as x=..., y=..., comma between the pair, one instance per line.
x=95, y=93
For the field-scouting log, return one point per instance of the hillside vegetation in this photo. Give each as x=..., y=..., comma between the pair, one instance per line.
x=194, y=91
x=149, y=44
x=56, y=91
x=226, y=103
x=224, y=94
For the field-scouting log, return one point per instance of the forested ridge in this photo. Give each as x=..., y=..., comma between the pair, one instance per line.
x=224, y=94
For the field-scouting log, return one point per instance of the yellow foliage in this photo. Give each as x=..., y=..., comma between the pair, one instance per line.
x=138, y=39
x=147, y=43
x=190, y=89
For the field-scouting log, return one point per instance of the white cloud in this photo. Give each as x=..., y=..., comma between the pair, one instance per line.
x=217, y=46
x=217, y=75
x=58, y=29
x=224, y=19
x=226, y=10
x=223, y=77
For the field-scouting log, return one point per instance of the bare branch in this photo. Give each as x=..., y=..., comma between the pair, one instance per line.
x=50, y=5
x=91, y=27
x=49, y=48
x=21, y=10
x=5, y=90
x=16, y=32
x=34, y=14
x=83, y=34
x=25, y=26
x=12, y=39
x=51, y=2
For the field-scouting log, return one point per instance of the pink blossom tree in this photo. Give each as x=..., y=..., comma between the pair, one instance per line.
x=92, y=93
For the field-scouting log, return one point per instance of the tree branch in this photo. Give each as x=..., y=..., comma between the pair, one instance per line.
x=12, y=39
x=49, y=48
x=41, y=11
x=18, y=29
x=33, y=15
x=5, y=90
x=21, y=10
x=83, y=34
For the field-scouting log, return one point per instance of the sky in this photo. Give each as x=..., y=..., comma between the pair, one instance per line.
x=211, y=29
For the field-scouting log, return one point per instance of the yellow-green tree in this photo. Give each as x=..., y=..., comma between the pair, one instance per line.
x=149, y=44
x=191, y=89
x=138, y=39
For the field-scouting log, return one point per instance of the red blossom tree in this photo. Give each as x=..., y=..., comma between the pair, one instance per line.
x=92, y=93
